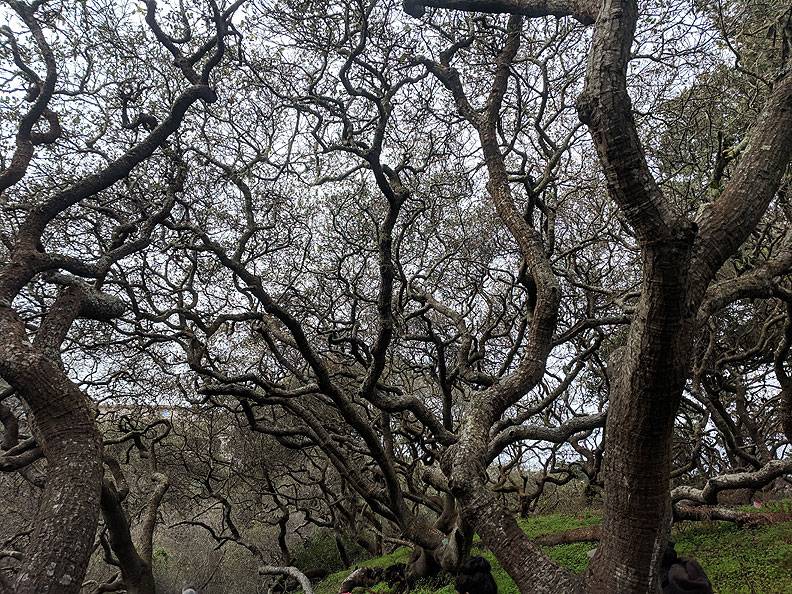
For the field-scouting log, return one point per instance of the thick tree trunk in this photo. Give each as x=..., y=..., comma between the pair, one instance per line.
x=523, y=560
x=63, y=421
x=65, y=524
x=649, y=373
x=648, y=378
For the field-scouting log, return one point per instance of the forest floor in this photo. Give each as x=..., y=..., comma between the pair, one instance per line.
x=737, y=560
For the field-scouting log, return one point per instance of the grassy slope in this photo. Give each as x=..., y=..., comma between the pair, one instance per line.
x=738, y=561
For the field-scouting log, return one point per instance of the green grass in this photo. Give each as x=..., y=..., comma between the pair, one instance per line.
x=330, y=584
x=572, y=556
x=737, y=561
x=740, y=561
x=554, y=523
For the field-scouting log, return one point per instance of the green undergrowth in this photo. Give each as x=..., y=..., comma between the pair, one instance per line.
x=737, y=560
x=330, y=584
x=320, y=550
x=740, y=561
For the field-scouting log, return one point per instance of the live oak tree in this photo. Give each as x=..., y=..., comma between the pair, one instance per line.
x=341, y=356
x=43, y=217
x=423, y=256
x=681, y=256
x=308, y=386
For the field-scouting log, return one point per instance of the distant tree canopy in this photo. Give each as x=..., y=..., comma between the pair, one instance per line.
x=390, y=272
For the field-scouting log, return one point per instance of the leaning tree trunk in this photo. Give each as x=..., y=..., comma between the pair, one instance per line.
x=487, y=515
x=523, y=560
x=66, y=520
x=65, y=524
x=135, y=561
x=136, y=573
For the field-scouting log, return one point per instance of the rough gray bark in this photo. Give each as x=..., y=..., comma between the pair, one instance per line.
x=464, y=463
x=65, y=522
